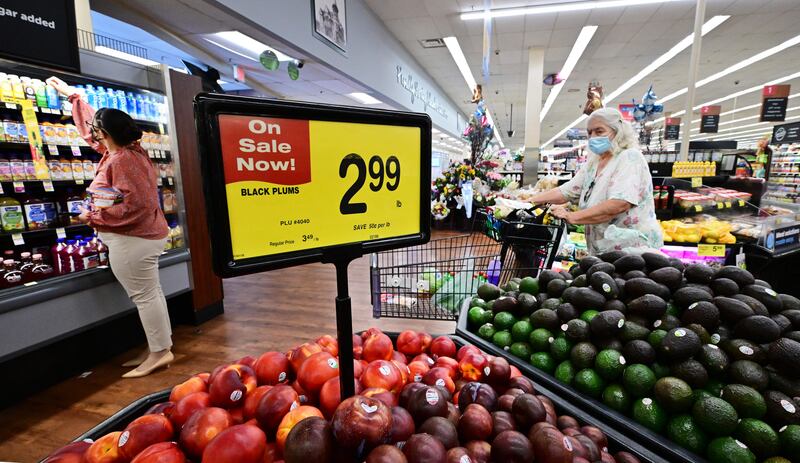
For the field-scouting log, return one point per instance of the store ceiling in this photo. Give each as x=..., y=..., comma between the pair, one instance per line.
x=627, y=40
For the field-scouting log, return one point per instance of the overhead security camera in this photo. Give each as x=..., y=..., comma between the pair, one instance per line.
x=510, y=133
x=299, y=63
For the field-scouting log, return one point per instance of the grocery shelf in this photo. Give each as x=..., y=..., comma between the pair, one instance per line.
x=47, y=231
x=665, y=449
x=68, y=113
x=13, y=146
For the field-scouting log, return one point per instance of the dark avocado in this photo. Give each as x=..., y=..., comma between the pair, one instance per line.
x=604, y=284
x=639, y=351
x=632, y=331
x=688, y=295
x=742, y=349
x=783, y=383
x=679, y=344
x=700, y=331
x=608, y=343
x=789, y=302
x=670, y=277
x=757, y=328
x=705, y=288
x=588, y=261
x=677, y=263
x=527, y=303
x=794, y=316
x=692, y=372
x=576, y=330
x=724, y=287
x=545, y=318
x=580, y=281
x=793, y=335
x=781, y=409
x=732, y=310
x=748, y=373
x=505, y=304
x=576, y=271
x=621, y=286
x=607, y=324
x=604, y=267
x=762, y=283
x=551, y=303
x=655, y=261
x=758, y=307
x=634, y=274
x=588, y=299
x=649, y=306
x=548, y=275
x=667, y=322
x=612, y=256
x=714, y=359
x=703, y=313
x=766, y=296
x=629, y=262
x=556, y=287
x=784, y=355
x=699, y=273
x=615, y=304
x=636, y=287
x=566, y=296
x=567, y=312
x=741, y=276
x=783, y=323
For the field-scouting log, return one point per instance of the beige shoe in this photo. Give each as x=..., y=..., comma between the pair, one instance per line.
x=138, y=372
x=136, y=361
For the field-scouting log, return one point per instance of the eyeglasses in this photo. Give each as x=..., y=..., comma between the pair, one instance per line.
x=588, y=192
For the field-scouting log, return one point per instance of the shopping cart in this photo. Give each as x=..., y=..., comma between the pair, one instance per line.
x=430, y=281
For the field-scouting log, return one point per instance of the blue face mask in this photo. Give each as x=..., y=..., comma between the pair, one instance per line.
x=599, y=145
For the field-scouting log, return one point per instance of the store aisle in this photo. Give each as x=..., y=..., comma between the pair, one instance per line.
x=269, y=311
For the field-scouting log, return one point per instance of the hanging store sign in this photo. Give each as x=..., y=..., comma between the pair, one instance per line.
x=418, y=92
x=672, y=128
x=786, y=133
x=627, y=111
x=774, y=100
x=289, y=182
x=41, y=32
x=709, y=119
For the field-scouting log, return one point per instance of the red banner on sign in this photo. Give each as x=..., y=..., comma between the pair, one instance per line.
x=627, y=111
x=265, y=149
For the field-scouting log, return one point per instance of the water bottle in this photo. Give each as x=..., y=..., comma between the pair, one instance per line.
x=102, y=98
x=130, y=100
x=52, y=97
x=112, y=99
x=147, y=105
x=139, y=106
x=122, y=103
x=91, y=96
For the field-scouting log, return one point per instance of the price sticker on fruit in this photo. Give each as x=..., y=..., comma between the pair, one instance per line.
x=299, y=178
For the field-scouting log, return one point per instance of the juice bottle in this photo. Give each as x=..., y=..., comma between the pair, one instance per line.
x=5, y=170
x=11, y=276
x=65, y=257
x=40, y=270
x=87, y=255
x=77, y=169
x=35, y=215
x=17, y=169
x=55, y=253
x=41, y=93
x=11, y=216
x=112, y=98
x=75, y=257
x=102, y=253
x=26, y=266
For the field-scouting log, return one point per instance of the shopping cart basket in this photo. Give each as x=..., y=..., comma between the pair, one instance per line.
x=430, y=281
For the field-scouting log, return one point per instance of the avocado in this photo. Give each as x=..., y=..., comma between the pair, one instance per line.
x=615, y=304
x=703, y=313
x=714, y=359
x=732, y=310
x=580, y=281
x=649, y=306
x=677, y=263
x=587, y=262
x=679, y=344
x=758, y=307
x=670, y=277
x=488, y=292
x=674, y=394
x=588, y=299
x=656, y=337
x=655, y=261
x=637, y=287
x=699, y=273
x=758, y=436
x=784, y=355
x=632, y=331
x=639, y=320
x=548, y=275
x=556, y=287
x=576, y=271
x=794, y=316
x=692, y=372
x=667, y=322
x=724, y=287
x=639, y=351
x=789, y=302
x=566, y=296
x=511, y=286
x=748, y=402
x=545, y=318
x=766, y=296
x=780, y=382
x=621, y=285
x=705, y=288
x=567, y=312
x=527, y=303
x=715, y=416
x=686, y=296
x=701, y=332
x=741, y=276
x=551, y=303
x=783, y=323
x=629, y=262
x=781, y=409
x=723, y=334
x=576, y=330
x=749, y=373
x=634, y=274
x=607, y=324
x=582, y=355
x=608, y=343
x=504, y=304
x=793, y=335
x=511, y=293
x=604, y=284
x=742, y=349
x=762, y=283
x=612, y=256
x=600, y=267
x=757, y=328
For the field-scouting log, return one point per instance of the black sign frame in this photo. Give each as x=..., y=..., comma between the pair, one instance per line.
x=709, y=122
x=672, y=132
x=72, y=42
x=773, y=109
x=786, y=133
x=208, y=106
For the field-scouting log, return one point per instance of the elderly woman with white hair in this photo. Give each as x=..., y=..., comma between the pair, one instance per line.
x=613, y=190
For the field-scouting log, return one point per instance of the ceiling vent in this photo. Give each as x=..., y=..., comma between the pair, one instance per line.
x=432, y=43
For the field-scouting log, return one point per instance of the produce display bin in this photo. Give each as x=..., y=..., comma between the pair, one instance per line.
x=665, y=449
x=617, y=440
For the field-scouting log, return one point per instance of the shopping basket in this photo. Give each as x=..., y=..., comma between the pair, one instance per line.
x=430, y=281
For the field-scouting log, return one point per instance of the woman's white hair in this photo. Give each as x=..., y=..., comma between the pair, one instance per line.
x=624, y=135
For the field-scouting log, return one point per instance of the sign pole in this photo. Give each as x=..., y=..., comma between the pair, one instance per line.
x=694, y=63
x=344, y=321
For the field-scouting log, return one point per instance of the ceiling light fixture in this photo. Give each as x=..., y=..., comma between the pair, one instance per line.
x=461, y=62
x=557, y=8
x=574, y=55
x=364, y=98
x=230, y=49
x=125, y=56
x=236, y=39
x=708, y=26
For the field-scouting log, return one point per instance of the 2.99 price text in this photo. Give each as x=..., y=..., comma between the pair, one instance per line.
x=383, y=175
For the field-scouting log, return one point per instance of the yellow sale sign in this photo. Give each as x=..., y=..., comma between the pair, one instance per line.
x=294, y=184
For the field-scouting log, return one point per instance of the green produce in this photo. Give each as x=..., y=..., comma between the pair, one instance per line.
x=748, y=402
x=540, y=339
x=633, y=331
x=617, y=398
x=679, y=344
x=487, y=331
x=660, y=370
x=649, y=414
x=583, y=355
x=674, y=394
x=576, y=330
x=543, y=361
x=588, y=382
x=504, y=320
x=714, y=387
x=692, y=372
x=521, y=350
x=638, y=380
x=656, y=337
x=488, y=292
x=521, y=330
x=758, y=436
x=545, y=318
x=715, y=416
x=475, y=316
x=789, y=437
x=714, y=359
x=588, y=315
x=477, y=302
x=684, y=431
x=729, y=450
x=609, y=364
x=748, y=373
x=529, y=285
x=560, y=349
x=565, y=372
x=502, y=339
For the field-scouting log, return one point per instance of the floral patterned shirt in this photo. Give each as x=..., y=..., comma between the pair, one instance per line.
x=626, y=177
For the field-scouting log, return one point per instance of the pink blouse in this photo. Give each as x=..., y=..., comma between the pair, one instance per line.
x=130, y=171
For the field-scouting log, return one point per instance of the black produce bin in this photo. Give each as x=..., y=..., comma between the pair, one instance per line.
x=617, y=441
x=665, y=449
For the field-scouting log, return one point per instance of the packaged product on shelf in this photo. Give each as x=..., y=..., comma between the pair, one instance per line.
x=40, y=270
x=10, y=276
x=11, y=216
x=17, y=169
x=168, y=200
x=88, y=255
x=26, y=266
x=103, y=198
x=102, y=252
x=88, y=169
x=49, y=133
x=170, y=169
x=77, y=169
x=23, y=132
x=11, y=130
x=5, y=170
x=55, y=169
x=55, y=255
x=74, y=204
x=16, y=85
x=162, y=170
x=66, y=169
x=67, y=257
x=73, y=135
x=62, y=137
x=30, y=169
x=175, y=236
x=39, y=214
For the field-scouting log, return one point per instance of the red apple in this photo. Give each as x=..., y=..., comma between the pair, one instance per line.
x=274, y=405
x=193, y=384
x=515, y=372
x=187, y=406
x=329, y=344
x=443, y=346
x=105, y=450
x=361, y=420
x=201, y=428
x=377, y=346
x=248, y=361
x=252, y=400
x=409, y=342
x=381, y=394
x=330, y=396
x=399, y=357
x=382, y=374
x=163, y=452
x=386, y=454
x=142, y=433
x=272, y=368
x=498, y=371
x=230, y=386
x=440, y=377
x=241, y=443
x=427, y=339
x=405, y=373
x=472, y=365
x=424, y=358
x=449, y=363
x=317, y=369
x=416, y=370
x=291, y=419
x=466, y=349
x=70, y=453
x=214, y=372
x=301, y=353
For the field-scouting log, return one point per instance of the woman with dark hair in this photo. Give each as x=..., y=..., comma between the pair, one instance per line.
x=134, y=227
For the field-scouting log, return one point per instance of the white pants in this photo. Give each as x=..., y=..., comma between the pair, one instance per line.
x=134, y=262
